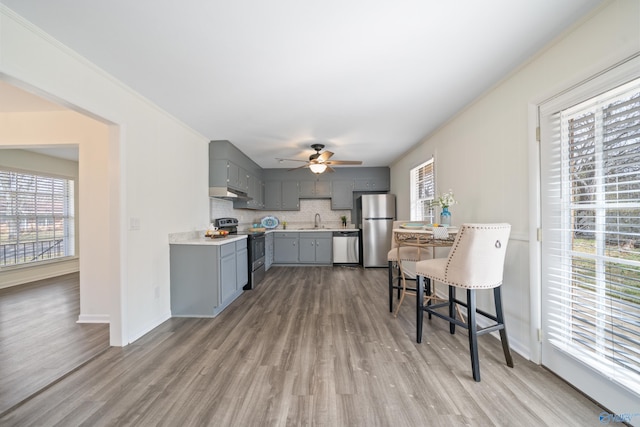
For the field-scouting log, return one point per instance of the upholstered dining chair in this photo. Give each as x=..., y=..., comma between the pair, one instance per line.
x=475, y=261
x=408, y=255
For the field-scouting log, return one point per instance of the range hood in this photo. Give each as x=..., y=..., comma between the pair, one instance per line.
x=227, y=193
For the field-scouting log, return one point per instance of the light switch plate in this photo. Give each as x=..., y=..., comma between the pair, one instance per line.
x=134, y=224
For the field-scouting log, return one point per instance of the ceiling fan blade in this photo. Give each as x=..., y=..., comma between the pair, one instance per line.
x=299, y=167
x=324, y=156
x=291, y=160
x=329, y=169
x=343, y=162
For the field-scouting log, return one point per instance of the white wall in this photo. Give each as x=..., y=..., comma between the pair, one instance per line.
x=156, y=172
x=483, y=153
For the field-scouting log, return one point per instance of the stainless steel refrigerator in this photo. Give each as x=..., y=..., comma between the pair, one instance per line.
x=377, y=213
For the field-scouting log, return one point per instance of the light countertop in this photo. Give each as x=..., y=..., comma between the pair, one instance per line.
x=197, y=238
x=308, y=230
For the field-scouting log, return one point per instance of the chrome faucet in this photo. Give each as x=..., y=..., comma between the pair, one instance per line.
x=316, y=221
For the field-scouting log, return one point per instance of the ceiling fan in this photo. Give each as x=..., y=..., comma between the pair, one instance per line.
x=319, y=162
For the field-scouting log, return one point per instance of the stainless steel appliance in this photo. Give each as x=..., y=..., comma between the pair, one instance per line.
x=255, y=249
x=377, y=213
x=346, y=247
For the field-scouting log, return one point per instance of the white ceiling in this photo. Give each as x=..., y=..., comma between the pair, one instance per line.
x=367, y=78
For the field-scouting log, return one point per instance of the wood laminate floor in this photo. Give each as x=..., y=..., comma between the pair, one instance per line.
x=311, y=346
x=40, y=339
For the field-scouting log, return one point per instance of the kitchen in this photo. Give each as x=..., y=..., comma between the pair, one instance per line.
x=153, y=161
x=313, y=230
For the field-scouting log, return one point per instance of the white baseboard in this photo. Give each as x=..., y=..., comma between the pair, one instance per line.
x=93, y=318
x=149, y=327
x=19, y=275
x=482, y=322
x=514, y=344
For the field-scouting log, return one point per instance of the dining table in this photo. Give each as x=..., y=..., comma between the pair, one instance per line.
x=422, y=237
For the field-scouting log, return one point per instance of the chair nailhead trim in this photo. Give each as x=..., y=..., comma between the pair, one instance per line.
x=456, y=244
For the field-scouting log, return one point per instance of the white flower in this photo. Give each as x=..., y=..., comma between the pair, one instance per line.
x=446, y=199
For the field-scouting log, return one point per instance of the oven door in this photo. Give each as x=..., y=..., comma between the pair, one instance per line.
x=255, y=277
x=256, y=260
x=257, y=251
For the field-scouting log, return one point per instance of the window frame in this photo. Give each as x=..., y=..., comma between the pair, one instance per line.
x=50, y=212
x=418, y=209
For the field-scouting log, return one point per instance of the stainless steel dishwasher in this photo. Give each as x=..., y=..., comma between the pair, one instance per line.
x=346, y=247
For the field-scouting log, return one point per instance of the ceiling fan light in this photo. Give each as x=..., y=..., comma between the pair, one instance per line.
x=318, y=168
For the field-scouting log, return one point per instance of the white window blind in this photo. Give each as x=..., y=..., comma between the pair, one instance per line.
x=591, y=233
x=422, y=191
x=36, y=218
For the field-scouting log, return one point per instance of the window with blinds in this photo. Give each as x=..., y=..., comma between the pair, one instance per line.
x=593, y=239
x=422, y=183
x=36, y=218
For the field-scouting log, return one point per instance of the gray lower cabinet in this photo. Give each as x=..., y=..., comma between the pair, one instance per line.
x=268, y=251
x=316, y=248
x=285, y=247
x=205, y=279
x=228, y=272
x=303, y=248
x=242, y=264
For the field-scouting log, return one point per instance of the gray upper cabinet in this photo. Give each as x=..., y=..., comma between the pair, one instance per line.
x=290, y=196
x=281, y=189
x=373, y=179
x=273, y=195
x=281, y=195
x=339, y=185
x=315, y=189
x=255, y=193
x=371, y=184
x=237, y=177
x=230, y=169
x=258, y=193
x=342, y=195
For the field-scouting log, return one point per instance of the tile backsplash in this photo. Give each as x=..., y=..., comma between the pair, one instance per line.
x=295, y=219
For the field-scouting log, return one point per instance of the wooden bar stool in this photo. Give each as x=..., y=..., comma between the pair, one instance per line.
x=397, y=277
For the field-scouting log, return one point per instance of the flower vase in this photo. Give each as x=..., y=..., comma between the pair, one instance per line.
x=445, y=216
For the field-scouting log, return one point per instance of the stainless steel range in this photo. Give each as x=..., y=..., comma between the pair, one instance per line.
x=255, y=249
